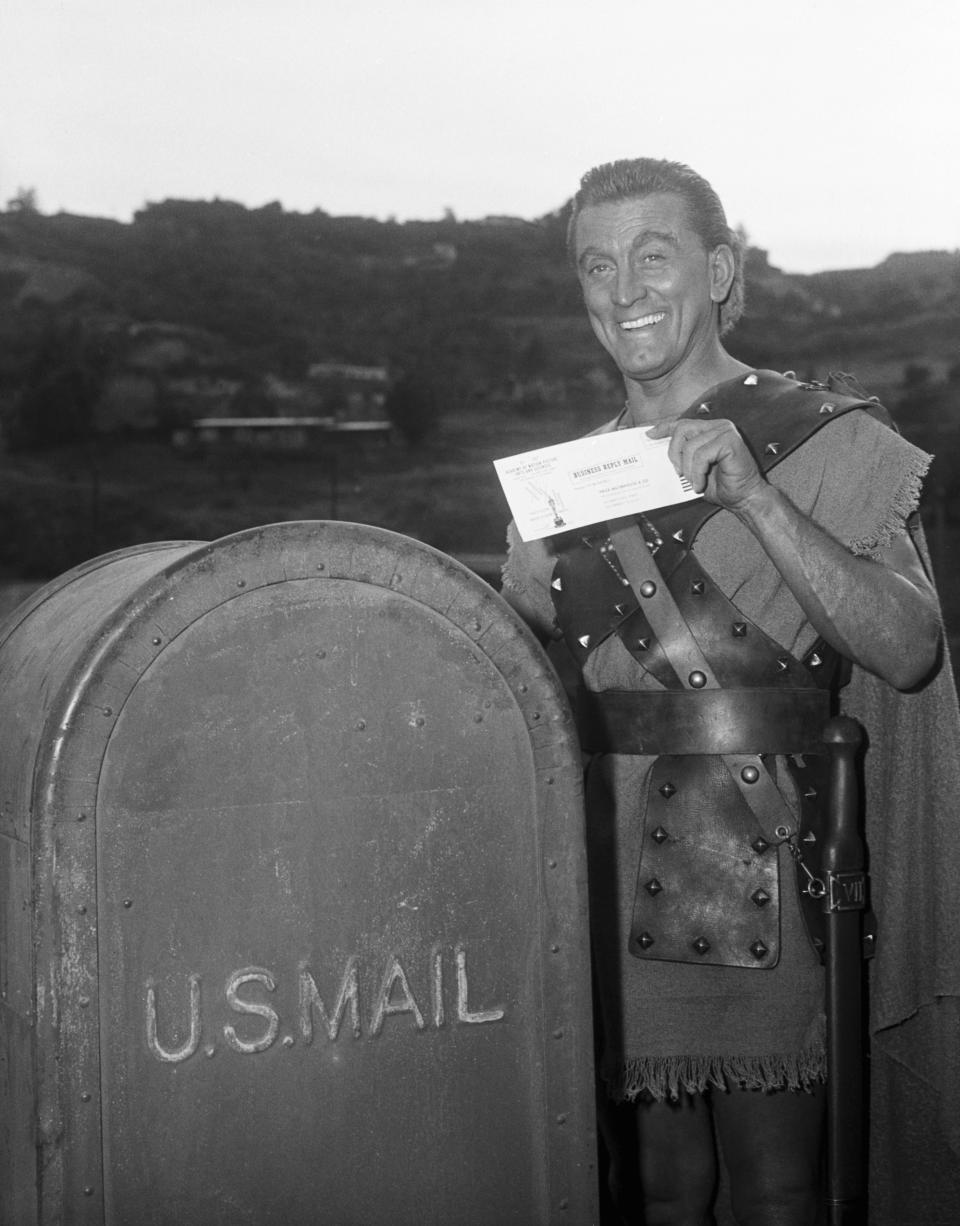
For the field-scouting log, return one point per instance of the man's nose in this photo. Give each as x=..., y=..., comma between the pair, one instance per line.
x=628, y=286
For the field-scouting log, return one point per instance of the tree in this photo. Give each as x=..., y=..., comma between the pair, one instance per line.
x=24, y=200
x=413, y=406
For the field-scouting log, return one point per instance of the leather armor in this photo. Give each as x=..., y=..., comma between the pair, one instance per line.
x=735, y=703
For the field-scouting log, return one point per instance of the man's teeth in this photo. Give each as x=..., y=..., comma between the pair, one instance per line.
x=644, y=321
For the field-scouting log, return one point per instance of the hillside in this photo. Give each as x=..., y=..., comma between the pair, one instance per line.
x=473, y=298
x=112, y=335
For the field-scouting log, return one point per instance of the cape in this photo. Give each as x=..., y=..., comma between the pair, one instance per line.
x=912, y=785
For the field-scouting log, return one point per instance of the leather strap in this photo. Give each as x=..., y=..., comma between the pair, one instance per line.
x=659, y=606
x=711, y=721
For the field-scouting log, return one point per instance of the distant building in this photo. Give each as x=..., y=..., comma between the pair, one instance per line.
x=351, y=393
x=276, y=433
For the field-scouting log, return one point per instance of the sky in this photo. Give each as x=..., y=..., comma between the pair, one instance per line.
x=830, y=128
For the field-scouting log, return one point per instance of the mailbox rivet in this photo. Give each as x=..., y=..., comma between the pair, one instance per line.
x=85, y=1097
x=128, y=903
x=84, y=1001
x=554, y=949
x=564, y=1204
x=552, y=863
x=361, y=724
x=561, y=1118
x=81, y=910
x=535, y=715
x=81, y=817
x=549, y=779
x=522, y=688
x=108, y=711
x=88, y=1191
x=321, y=566
x=558, y=1034
x=156, y=640
x=241, y=583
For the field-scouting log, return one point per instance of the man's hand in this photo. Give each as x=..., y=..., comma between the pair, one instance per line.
x=714, y=458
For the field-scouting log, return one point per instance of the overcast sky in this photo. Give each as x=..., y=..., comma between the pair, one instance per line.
x=830, y=128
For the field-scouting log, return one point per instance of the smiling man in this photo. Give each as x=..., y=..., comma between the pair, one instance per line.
x=712, y=640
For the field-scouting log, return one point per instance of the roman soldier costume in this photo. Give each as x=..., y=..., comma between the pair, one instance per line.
x=702, y=698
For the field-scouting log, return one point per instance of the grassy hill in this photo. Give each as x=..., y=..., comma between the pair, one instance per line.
x=485, y=318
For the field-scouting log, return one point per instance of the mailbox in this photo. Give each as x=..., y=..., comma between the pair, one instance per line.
x=293, y=925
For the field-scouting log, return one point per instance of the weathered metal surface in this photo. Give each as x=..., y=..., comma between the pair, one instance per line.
x=296, y=820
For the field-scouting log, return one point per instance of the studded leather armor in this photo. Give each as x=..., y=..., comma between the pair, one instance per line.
x=737, y=714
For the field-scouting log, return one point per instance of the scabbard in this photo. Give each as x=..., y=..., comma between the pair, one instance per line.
x=844, y=904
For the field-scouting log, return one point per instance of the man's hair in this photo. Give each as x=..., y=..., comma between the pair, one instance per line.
x=634, y=178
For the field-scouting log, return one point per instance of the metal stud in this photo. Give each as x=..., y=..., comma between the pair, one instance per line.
x=750, y=774
x=678, y=536
x=644, y=940
x=659, y=835
x=810, y=794
x=772, y=448
x=621, y=609
x=584, y=640
x=815, y=661
x=751, y=380
x=827, y=407
x=697, y=587
x=759, y=950
x=704, y=408
x=653, y=887
x=557, y=584
x=760, y=897
x=648, y=588
x=760, y=845
x=667, y=790
x=739, y=630
x=701, y=946
x=783, y=663
x=809, y=837
x=697, y=679
x=642, y=644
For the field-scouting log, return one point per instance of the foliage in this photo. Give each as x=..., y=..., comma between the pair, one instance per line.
x=24, y=200
x=413, y=406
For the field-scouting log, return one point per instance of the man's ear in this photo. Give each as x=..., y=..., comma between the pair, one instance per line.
x=722, y=271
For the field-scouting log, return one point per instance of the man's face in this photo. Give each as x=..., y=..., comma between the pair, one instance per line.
x=649, y=285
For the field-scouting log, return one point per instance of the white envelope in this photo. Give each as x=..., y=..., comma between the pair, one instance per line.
x=588, y=481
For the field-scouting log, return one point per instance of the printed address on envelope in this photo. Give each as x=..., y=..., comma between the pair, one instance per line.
x=590, y=480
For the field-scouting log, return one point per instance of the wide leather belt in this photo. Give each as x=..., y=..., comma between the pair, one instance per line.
x=656, y=722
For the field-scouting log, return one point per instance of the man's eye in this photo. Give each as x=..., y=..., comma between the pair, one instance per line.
x=600, y=267
x=652, y=257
